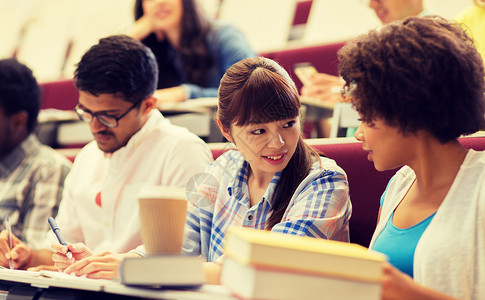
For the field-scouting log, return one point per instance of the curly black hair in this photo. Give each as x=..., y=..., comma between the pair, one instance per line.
x=19, y=91
x=118, y=65
x=420, y=73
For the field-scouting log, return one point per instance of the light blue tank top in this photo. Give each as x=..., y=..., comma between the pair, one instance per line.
x=399, y=244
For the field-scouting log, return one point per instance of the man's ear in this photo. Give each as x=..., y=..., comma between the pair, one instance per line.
x=19, y=120
x=148, y=104
x=225, y=132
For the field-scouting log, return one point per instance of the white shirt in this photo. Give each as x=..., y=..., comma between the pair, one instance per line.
x=450, y=255
x=158, y=154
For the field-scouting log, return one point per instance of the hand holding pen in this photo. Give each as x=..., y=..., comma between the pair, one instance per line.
x=13, y=252
x=9, y=241
x=59, y=236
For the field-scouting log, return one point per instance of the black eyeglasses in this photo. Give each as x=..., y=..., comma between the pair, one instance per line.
x=107, y=120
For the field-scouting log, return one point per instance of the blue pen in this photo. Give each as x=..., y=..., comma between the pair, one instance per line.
x=58, y=234
x=9, y=237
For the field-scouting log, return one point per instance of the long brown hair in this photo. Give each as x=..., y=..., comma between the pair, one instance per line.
x=258, y=90
x=197, y=60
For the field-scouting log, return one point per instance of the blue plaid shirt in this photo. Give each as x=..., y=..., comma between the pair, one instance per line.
x=320, y=206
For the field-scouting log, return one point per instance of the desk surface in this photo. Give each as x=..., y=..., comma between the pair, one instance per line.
x=21, y=291
x=199, y=105
x=68, y=130
x=210, y=105
x=28, y=284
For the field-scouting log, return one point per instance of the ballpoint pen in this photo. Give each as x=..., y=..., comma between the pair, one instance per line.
x=57, y=232
x=9, y=238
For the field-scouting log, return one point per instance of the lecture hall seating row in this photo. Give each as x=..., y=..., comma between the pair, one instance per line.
x=323, y=57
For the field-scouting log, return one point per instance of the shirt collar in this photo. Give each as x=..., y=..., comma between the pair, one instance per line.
x=139, y=136
x=240, y=185
x=27, y=148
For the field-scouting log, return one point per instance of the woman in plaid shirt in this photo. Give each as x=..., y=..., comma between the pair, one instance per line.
x=275, y=181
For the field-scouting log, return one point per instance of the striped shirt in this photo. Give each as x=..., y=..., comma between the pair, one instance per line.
x=31, y=184
x=320, y=207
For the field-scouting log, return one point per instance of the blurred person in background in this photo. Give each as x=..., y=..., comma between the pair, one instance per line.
x=31, y=174
x=326, y=87
x=391, y=10
x=192, y=51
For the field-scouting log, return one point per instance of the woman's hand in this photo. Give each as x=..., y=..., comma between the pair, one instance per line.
x=212, y=272
x=323, y=87
x=142, y=28
x=396, y=285
x=399, y=286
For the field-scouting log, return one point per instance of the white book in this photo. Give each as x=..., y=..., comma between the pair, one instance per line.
x=306, y=254
x=265, y=283
x=163, y=271
x=46, y=279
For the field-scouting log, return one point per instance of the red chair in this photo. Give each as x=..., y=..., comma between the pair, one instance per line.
x=61, y=95
x=302, y=12
x=323, y=57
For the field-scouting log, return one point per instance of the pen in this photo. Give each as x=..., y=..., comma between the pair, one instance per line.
x=9, y=238
x=57, y=232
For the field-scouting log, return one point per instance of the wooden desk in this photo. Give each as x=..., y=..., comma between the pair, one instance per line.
x=195, y=114
x=199, y=105
x=45, y=290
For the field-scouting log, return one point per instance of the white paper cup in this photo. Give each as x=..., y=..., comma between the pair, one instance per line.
x=162, y=217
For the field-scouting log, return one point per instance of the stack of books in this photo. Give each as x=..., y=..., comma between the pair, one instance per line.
x=264, y=265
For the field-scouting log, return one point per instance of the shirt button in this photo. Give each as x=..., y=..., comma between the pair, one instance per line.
x=250, y=217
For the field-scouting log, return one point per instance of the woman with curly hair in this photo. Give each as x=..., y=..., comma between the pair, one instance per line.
x=418, y=85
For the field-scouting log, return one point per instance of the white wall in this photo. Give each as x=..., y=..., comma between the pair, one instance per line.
x=266, y=23
x=13, y=16
x=47, y=27
x=331, y=21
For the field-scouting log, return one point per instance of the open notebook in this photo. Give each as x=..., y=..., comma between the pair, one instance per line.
x=46, y=279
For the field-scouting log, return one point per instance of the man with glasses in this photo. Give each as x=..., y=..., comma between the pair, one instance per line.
x=31, y=174
x=134, y=146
